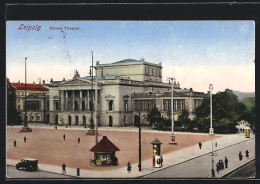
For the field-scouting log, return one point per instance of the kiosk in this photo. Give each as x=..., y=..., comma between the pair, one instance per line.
x=157, y=158
x=104, y=153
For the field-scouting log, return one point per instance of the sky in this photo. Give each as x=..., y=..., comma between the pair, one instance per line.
x=195, y=53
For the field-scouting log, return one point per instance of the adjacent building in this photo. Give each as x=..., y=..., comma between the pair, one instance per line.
x=37, y=102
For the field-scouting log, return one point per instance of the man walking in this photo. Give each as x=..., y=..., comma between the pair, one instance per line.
x=24, y=139
x=79, y=140
x=226, y=162
x=247, y=154
x=128, y=167
x=200, y=145
x=64, y=136
x=14, y=143
x=63, y=168
x=240, y=156
x=218, y=166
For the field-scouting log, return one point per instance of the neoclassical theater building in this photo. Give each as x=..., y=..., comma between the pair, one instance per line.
x=121, y=93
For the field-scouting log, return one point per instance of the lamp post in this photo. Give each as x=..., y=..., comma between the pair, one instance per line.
x=139, y=165
x=172, y=137
x=96, y=105
x=91, y=101
x=140, y=153
x=211, y=131
x=212, y=169
x=25, y=113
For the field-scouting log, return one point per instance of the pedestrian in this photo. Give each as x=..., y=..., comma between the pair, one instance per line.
x=63, y=168
x=79, y=140
x=64, y=136
x=24, y=139
x=128, y=167
x=200, y=145
x=216, y=144
x=226, y=162
x=247, y=154
x=218, y=166
x=14, y=143
x=240, y=156
x=161, y=160
x=222, y=164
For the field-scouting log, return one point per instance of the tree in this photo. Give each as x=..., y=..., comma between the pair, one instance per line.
x=154, y=116
x=249, y=113
x=226, y=113
x=184, y=119
x=12, y=113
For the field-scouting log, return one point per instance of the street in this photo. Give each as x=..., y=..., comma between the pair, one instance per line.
x=200, y=167
x=12, y=172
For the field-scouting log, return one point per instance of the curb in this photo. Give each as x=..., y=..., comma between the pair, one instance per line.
x=50, y=172
x=193, y=158
x=232, y=170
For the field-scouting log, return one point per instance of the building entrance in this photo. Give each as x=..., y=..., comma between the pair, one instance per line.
x=56, y=120
x=136, y=120
x=110, y=121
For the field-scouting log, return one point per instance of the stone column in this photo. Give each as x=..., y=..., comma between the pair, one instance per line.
x=66, y=100
x=62, y=100
x=73, y=100
x=59, y=100
x=80, y=100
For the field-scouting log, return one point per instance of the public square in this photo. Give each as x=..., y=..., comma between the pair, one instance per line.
x=47, y=145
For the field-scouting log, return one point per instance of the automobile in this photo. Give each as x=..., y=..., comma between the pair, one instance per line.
x=29, y=164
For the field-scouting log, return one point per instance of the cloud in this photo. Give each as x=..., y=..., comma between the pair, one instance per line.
x=240, y=78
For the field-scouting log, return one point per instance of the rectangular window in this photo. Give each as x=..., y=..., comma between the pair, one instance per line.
x=136, y=105
x=178, y=105
x=183, y=104
x=110, y=105
x=56, y=105
x=125, y=105
x=83, y=105
x=48, y=105
x=164, y=105
x=169, y=105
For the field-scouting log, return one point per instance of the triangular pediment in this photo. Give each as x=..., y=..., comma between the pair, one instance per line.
x=77, y=82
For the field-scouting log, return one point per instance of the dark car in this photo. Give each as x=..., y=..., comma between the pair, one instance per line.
x=29, y=164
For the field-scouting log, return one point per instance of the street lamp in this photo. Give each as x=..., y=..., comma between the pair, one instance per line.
x=140, y=153
x=172, y=137
x=25, y=113
x=212, y=169
x=211, y=131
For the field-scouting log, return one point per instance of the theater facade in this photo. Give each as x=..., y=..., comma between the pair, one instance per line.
x=122, y=92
